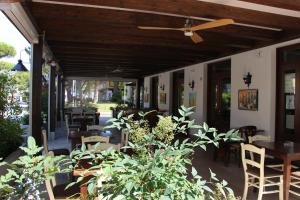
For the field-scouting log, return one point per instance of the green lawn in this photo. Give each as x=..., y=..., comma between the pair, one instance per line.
x=104, y=107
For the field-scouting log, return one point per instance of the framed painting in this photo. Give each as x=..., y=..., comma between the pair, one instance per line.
x=163, y=98
x=146, y=98
x=248, y=99
x=192, y=99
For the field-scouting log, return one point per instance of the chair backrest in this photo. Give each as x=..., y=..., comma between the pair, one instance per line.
x=50, y=183
x=105, y=146
x=263, y=138
x=94, y=127
x=45, y=142
x=124, y=137
x=77, y=110
x=248, y=149
x=247, y=131
x=94, y=139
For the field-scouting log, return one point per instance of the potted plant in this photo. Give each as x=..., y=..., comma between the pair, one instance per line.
x=159, y=166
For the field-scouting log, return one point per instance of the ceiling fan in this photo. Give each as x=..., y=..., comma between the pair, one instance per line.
x=190, y=30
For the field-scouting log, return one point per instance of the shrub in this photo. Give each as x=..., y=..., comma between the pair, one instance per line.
x=10, y=134
x=157, y=168
x=28, y=173
x=25, y=119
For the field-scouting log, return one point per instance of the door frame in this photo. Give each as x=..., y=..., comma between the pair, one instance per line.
x=209, y=109
x=281, y=68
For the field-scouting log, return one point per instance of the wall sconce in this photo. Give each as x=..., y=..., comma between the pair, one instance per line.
x=146, y=89
x=247, y=79
x=162, y=87
x=192, y=84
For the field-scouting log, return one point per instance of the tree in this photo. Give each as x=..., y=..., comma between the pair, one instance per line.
x=6, y=50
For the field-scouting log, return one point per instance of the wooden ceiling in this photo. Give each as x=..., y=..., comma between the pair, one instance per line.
x=96, y=37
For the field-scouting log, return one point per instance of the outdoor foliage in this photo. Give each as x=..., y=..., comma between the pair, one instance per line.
x=10, y=134
x=156, y=167
x=6, y=50
x=26, y=175
x=8, y=103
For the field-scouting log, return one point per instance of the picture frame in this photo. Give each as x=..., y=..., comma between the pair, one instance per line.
x=163, y=98
x=146, y=98
x=248, y=99
x=192, y=99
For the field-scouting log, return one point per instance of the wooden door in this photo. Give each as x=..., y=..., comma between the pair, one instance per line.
x=154, y=93
x=219, y=95
x=178, y=91
x=288, y=90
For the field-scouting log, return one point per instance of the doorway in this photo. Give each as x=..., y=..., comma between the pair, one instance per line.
x=178, y=91
x=154, y=93
x=288, y=90
x=219, y=95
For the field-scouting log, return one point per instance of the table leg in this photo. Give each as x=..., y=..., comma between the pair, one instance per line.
x=286, y=178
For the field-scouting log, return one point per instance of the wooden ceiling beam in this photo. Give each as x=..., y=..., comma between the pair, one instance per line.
x=131, y=24
x=191, y=8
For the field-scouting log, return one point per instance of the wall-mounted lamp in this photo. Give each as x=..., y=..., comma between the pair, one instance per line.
x=146, y=89
x=192, y=84
x=247, y=79
x=162, y=87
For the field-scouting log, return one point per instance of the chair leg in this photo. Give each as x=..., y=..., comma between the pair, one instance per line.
x=246, y=185
x=261, y=189
x=281, y=188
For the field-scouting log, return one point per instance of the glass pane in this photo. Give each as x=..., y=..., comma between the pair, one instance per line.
x=291, y=54
x=289, y=92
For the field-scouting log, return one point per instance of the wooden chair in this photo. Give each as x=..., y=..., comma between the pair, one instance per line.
x=124, y=137
x=93, y=140
x=94, y=128
x=59, y=192
x=55, y=151
x=71, y=127
x=105, y=146
x=90, y=115
x=76, y=114
x=235, y=148
x=295, y=183
x=255, y=170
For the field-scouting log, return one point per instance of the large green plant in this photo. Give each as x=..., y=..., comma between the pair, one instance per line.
x=26, y=175
x=10, y=134
x=156, y=168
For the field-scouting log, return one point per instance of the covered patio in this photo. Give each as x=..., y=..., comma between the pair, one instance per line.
x=238, y=68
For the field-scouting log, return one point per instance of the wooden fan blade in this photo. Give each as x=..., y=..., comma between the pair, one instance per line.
x=213, y=24
x=159, y=28
x=196, y=38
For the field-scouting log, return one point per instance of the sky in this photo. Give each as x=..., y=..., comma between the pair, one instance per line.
x=10, y=35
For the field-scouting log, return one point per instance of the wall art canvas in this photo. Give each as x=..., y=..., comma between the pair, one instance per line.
x=163, y=98
x=146, y=98
x=192, y=99
x=248, y=99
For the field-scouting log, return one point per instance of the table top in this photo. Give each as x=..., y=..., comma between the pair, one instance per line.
x=280, y=149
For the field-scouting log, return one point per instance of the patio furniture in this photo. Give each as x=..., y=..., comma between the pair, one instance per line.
x=270, y=161
x=256, y=170
x=94, y=128
x=76, y=114
x=90, y=115
x=295, y=183
x=124, y=137
x=56, y=152
x=93, y=139
x=71, y=127
x=287, y=153
x=235, y=147
x=61, y=192
x=105, y=146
